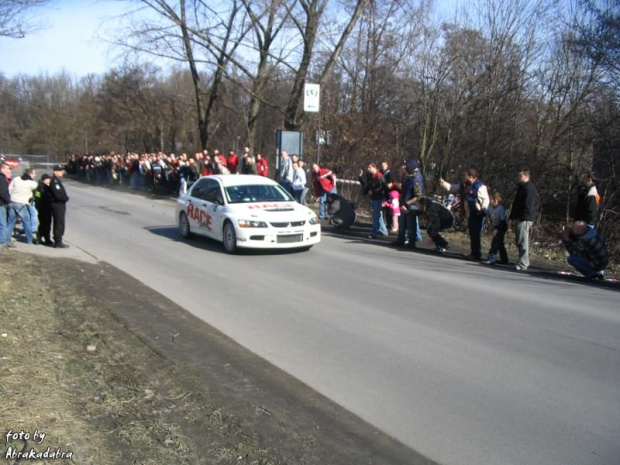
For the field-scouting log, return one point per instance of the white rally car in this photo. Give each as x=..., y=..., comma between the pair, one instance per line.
x=246, y=211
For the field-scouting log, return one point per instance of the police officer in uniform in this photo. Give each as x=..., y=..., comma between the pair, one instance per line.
x=59, y=200
x=43, y=204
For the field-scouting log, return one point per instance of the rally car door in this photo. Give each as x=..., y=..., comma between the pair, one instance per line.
x=214, y=208
x=202, y=209
x=193, y=206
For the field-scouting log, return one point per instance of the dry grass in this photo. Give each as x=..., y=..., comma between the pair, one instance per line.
x=70, y=370
x=36, y=381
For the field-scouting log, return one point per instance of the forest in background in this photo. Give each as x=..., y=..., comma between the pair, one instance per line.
x=502, y=85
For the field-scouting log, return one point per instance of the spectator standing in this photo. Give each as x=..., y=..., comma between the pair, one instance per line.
x=249, y=165
x=22, y=194
x=304, y=192
x=587, y=201
x=209, y=167
x=262, y=166
x=43, y=204
x=232, y=162
x=413, y=190
x=323, y=185
x=588, y=253
x=476, y=202
x=299, y=182
x=388, y=177
x=5, y=201
x=59, y=206
x=497, y=215
x=522, y=213
x=372, y=185
x=392, y=205
x=200, y=162
x=387, y=174
x=286, y=171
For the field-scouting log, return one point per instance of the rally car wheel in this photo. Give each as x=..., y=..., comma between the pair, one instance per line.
x=184, y=226
x=230, y=238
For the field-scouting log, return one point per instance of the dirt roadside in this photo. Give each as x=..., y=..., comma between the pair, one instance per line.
x=111, y=372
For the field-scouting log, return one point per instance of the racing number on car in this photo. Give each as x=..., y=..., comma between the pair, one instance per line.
x=202, y=217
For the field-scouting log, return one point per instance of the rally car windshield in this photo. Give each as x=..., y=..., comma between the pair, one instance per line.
x=257, y=193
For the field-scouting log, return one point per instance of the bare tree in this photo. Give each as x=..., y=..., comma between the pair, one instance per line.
x=15, y=18
x=312, y=13
x=196, y=34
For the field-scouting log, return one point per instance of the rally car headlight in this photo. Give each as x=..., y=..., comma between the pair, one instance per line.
x=314, y=220
x=252, y=224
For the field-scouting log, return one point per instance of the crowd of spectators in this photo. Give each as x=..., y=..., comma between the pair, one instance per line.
x=161, y=173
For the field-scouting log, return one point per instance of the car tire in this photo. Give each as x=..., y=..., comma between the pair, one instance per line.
x=184, y=229
x=229, y=238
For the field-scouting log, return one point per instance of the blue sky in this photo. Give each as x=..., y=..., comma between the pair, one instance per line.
x=69, y=40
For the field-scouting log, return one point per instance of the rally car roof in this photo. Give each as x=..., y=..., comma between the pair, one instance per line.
x=241, y=179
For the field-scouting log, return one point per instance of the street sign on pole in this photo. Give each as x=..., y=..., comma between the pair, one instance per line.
x=312, y=97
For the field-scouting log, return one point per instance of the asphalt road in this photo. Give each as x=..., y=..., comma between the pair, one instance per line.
x=465, y=364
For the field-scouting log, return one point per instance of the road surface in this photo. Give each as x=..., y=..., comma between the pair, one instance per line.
x=464, y=363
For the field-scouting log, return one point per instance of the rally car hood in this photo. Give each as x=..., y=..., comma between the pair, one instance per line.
x=273, y=211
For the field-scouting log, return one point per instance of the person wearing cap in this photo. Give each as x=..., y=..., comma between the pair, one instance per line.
x=43, y=204
x=22, y=192
x=5, y=201
x=414, y=187
x=59, y=207
x=588, y=253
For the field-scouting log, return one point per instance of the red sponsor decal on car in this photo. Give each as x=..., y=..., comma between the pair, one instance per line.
x=203, y=218
x=264, y=206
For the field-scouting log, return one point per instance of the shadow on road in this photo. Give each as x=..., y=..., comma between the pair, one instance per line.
x=211, y=245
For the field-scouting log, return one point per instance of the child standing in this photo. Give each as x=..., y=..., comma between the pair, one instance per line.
x=393, y=205
x=497, y=215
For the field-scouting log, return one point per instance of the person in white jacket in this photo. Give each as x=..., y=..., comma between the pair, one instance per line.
x=22, y=195
x=299, y=183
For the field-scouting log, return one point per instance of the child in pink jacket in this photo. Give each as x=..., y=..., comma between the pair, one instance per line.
x=393, y=204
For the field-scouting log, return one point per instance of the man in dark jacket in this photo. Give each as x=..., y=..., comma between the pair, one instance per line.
x=587, y=201
x=43, y=204
x=5, y=201
x=522, y=213
x=341, y=212
x=414, y=188
x=373, y=185
x=59, y=207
